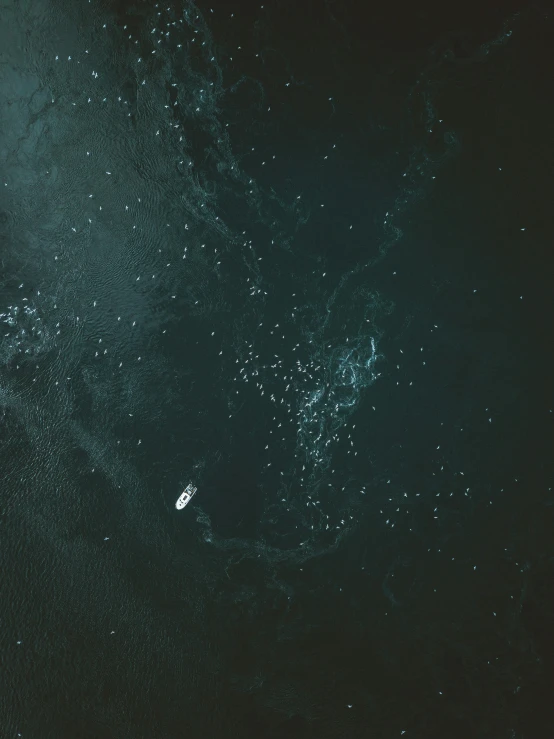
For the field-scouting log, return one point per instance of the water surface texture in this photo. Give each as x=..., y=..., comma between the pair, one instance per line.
x=299, y=255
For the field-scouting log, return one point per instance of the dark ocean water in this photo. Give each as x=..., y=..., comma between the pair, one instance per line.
x=299, y=254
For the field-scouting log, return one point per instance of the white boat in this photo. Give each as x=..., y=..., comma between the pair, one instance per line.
x=185, y=497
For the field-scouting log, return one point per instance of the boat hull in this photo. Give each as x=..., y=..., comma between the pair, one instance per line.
x=185, y=497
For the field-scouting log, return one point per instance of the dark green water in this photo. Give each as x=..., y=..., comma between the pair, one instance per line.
x=300, y=255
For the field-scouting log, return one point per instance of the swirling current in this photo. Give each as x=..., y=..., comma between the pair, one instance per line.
x=284, y=253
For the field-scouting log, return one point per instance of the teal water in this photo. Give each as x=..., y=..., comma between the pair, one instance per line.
x=300, y=257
